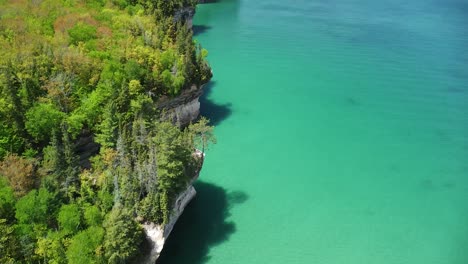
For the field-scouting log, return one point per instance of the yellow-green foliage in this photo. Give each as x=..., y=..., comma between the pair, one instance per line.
x=65, y=60
x=72, y=70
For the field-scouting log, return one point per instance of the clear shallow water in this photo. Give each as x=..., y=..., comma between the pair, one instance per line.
x=342, y=133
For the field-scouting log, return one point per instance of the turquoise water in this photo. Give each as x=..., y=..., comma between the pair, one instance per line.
x=342, y=131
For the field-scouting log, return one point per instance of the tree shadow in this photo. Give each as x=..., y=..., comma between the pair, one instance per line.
x=203, y=225
x=200, y=29
x=215, y=112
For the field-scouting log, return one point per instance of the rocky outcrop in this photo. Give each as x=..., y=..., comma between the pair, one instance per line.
x=185, y=14
x=156, y=235
x=182, y=109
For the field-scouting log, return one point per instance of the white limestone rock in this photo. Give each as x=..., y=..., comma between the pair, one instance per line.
x=157, y=235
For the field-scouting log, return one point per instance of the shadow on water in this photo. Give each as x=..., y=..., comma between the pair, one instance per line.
x=203, y=225
x=200, y=29
x=213, y=111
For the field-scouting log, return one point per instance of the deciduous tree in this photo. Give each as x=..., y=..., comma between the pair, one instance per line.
x=19, y=172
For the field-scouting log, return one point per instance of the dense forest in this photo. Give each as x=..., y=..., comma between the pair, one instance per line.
x=71, y=69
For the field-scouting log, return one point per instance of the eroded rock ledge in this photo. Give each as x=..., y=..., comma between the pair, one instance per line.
x=182, y=109
x=156, y=235
x=185, y=14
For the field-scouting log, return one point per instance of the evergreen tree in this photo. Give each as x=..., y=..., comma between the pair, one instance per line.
x=123, y=236
x=72, y=73
x=7, y=201
x=71, y=164
x=8, y=243
x=202, y=134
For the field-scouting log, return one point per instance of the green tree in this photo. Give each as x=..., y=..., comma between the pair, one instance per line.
x=8, y=243
x=123, y=236
x=10, y=140
x=69, y=218
x=176, y=164
x=68, y=71
x=53, y=163
x=202, y=134
x=81, y=32
x=37, y=207
x=9, y=88
x=86, y=247
x=7, y=201
x=51, y=248
x=42, y=119
x=92, y=215
x=107, y=129
x=71, y=164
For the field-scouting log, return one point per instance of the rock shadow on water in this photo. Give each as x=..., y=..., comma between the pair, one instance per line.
x=213, y=111
x=208, y=1
x=200, y=29
x=203, y=224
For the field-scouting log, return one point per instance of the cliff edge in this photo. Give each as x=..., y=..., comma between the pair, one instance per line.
x=156, y=235
x=180, y=110
x=184, y=108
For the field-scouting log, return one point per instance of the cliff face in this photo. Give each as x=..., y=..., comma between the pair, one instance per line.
x=185, y=14
x=182, y=109
x=156, y=235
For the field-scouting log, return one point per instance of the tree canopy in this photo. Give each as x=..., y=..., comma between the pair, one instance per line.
x=82, y=73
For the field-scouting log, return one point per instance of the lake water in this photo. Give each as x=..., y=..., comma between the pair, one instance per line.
x=342, y=130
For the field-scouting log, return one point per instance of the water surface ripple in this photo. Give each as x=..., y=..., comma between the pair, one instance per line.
x=342, y=125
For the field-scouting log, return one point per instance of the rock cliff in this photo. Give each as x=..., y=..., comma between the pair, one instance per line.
x=156, y=235
x=185, y=14
x=180, y=110
x=183, y=109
